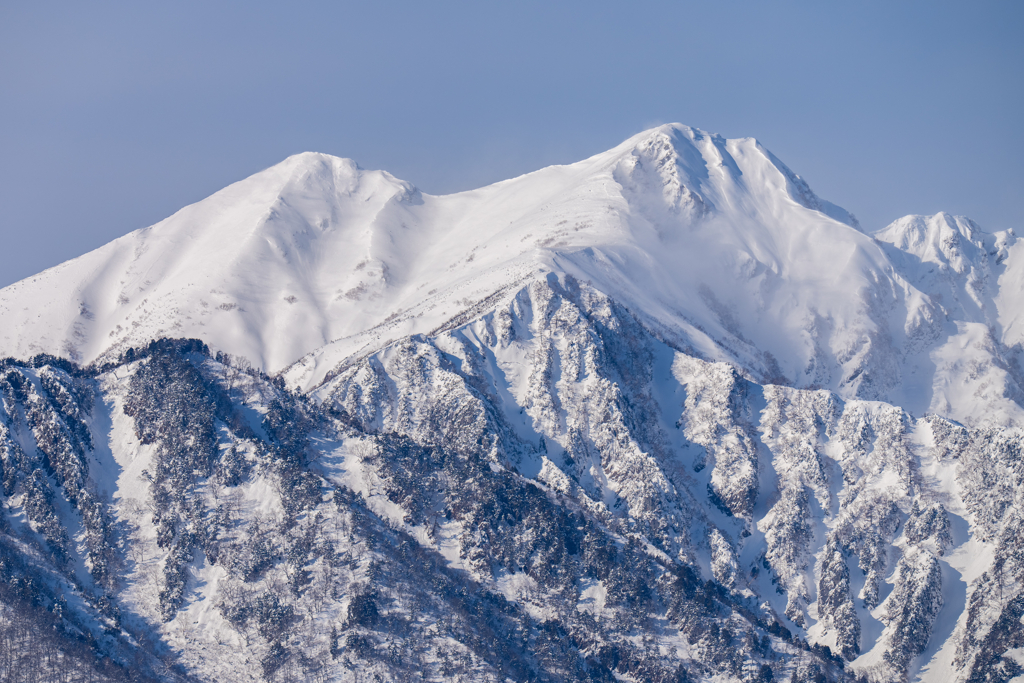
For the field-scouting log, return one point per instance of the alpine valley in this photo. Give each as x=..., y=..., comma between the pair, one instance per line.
x=659, y=415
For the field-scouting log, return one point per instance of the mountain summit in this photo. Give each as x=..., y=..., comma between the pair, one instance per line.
x=712, y=243
x=659, y=415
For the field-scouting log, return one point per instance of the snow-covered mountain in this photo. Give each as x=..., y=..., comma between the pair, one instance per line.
x=662, y=414
x=714, y=244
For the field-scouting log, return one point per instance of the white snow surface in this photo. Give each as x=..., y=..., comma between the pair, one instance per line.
x=714, y=244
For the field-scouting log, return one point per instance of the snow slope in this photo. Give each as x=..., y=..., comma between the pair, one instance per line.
x=665, y=399
x=714, y=244
x=577, y=478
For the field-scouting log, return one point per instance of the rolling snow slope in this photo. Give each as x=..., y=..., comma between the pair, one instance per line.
x=713, y=243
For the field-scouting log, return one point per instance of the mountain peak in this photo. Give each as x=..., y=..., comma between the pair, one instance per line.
x=688, y=159
x=739, y=411
x=713, y=241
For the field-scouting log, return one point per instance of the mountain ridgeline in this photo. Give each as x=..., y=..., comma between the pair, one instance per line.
x=661, y=415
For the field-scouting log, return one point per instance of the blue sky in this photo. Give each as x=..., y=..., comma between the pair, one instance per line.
x=114, y=115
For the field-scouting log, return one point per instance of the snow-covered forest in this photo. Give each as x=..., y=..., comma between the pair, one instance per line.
x=662, y=415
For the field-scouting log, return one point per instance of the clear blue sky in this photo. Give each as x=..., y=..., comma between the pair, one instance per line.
x=114, y=115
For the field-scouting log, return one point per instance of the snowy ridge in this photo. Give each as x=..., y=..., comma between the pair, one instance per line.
x=555, y=454
x=714, y=243
x=662, y=414
x=857, y=524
